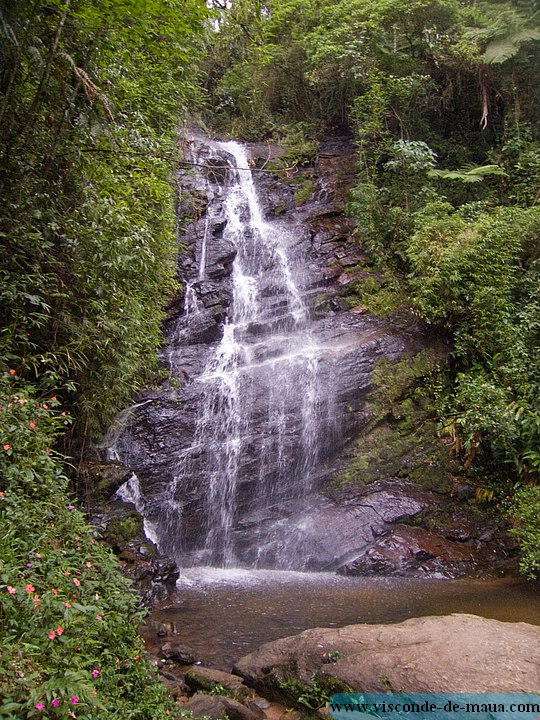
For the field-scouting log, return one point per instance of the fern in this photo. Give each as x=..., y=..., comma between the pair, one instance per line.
x=468, y=174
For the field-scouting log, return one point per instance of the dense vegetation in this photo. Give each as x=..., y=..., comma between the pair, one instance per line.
x=442, y=98
x=90, y=94
x=90, y=98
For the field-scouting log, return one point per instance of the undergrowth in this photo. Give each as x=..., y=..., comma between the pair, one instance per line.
x=69, y=646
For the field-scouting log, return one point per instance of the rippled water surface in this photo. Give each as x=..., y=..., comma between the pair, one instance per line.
x=225, y=614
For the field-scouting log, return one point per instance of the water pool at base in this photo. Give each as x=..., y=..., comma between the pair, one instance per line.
x=225, y=614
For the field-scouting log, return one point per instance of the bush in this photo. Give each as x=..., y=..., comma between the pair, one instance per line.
x=526, y=517
x=69, y=644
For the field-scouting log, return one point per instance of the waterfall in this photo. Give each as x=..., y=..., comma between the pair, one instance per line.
x=266, y=384
x=266, y=342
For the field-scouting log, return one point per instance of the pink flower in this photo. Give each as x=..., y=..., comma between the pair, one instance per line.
x=11, y=590
x=74, y=700
x=30, y=588
x=32, y=425
x=88, y=564
x=38, y=555
x=76, y=582
x=98, y=617
x=52, y=635
x=71, y=507
x=39, y=706
x=7, y=447
x=55, y=702
x=95, y=673
x=54, y=591
x=12, y=372
x=59, y=630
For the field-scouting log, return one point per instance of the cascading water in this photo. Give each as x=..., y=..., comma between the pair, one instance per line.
x=266, y=309
x=230, y=453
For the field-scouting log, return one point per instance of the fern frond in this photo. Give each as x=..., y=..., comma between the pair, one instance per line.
x=8, y=30
x=499, y=51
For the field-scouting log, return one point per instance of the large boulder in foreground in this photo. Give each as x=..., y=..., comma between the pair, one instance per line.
x=454, y=653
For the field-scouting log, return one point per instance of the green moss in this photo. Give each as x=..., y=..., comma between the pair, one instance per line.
x=120, y=530
x=402, y=439
x=380, y=296
x=305, y=191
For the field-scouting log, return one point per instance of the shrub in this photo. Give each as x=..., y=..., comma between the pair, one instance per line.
x=526, y=517
x=69, y=644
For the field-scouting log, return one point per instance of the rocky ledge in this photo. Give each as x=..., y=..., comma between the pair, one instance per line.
x=454, y=653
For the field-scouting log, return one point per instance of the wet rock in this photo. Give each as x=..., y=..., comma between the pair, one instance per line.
x=217, y=706
x=154, y=575
x=181, y=654
x=103, y=478
x=203, y=678
x=455, y=653
x=413, y=550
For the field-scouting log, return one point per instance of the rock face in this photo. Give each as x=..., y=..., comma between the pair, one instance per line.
x=455, y=653
x=154, y=575
x=300, y=391
x=270, y=379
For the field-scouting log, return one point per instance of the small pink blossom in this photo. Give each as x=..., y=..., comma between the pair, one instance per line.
x=71, y=507
x=95, y=673
x=59, y=630
x=55, y=702
x=30, y=588
x=52, y=635
x=11, y=590
x=99, y=617
x=39, y=706
x=88, y=564
x=32, y=425
x=12, y=372
x=74, y=700
x=76, y=582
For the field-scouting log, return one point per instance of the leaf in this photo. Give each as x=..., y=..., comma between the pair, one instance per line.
x=468, y=174
x=499, y=51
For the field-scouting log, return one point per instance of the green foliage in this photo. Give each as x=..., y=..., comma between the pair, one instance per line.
x=69, y=639
x=90, y=94
x=468, y=174
x=526, y=517
x=304, y=190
